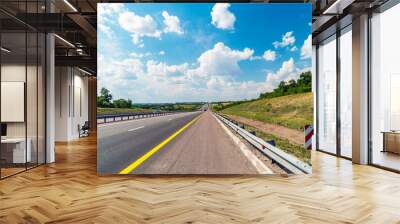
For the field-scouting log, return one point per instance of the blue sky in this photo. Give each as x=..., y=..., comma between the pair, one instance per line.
x=155, y=52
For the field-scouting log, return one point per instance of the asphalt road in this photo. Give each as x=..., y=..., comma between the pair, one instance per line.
x=185, y=143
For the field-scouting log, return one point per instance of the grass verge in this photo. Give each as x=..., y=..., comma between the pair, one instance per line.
x=296, y=150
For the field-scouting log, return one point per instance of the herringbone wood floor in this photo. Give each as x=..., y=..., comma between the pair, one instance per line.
x=70, y=191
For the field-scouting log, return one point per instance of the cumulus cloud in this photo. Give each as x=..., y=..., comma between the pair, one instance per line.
x=269, y=55
x=286, y=72
x=306, y=49
x=293, y=49
x=139, y=26
x=161, y=53
x=116, y=75
x=287, y=40
x=221, y=60
x=221, y=17
x=172, y=23
x=220, y=88
x=161, y=69
x=207, y=79
x=146, y=26
x=106, y=14
x=109, y=9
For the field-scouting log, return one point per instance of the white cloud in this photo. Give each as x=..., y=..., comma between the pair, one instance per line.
x=293, y=49
x=162, y=69
x=220, y=88
x=153, y=79
x=221, y=60
x=109, y=9
x=221, y=17
x=139, y=26
x=113, y=71
x=140, y=55
x=287, y=40
x=161, y=53
x=287, y=72
x=106, y=30
x=106, y=13
x=269, y=55
x=306, y=49
x=172, y=23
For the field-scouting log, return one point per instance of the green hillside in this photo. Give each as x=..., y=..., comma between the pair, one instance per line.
x=292, y=111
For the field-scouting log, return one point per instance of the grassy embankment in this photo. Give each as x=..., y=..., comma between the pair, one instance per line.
x=291, y=111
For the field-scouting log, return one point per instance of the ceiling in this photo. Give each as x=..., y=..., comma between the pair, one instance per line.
x=330, y=15
x=73, y=21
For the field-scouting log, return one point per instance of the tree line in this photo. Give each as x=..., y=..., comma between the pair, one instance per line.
x=301, y=85
x=105, y=100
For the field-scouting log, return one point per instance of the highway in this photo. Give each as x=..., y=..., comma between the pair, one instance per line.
x=182, y=143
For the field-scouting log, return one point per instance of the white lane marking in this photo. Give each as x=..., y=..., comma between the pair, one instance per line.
x=255, y=161
x=134, y=129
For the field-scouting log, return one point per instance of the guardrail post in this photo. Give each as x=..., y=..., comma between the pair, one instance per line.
x=308, y=134
x=272, y=142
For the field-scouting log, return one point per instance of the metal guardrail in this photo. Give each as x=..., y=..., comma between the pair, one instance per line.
x=285, y=160
x=109, y=118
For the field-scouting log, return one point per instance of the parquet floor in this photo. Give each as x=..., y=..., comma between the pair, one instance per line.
x=70, y=191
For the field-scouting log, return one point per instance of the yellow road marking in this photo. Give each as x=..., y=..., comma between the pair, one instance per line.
x=135, y=164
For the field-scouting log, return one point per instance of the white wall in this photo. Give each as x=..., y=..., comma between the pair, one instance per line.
x=62, y=81
x=79, y=117
x=71, y=87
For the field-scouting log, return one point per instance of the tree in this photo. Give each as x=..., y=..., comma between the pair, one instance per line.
x=122, y=103
x=104, y=100
x=301, y=85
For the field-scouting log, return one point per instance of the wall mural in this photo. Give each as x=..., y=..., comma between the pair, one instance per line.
x=204, y=88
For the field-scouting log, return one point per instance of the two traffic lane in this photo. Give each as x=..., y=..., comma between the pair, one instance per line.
x=120, y=144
